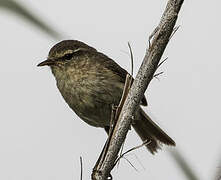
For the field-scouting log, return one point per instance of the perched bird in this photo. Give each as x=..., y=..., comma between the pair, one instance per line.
x=90, y=82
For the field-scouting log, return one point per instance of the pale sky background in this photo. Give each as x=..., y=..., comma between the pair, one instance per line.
x=40, y=136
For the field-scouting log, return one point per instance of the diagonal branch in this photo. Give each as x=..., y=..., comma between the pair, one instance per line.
x=145, y=74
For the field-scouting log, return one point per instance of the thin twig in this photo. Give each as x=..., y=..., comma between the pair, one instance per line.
x=157, y=74
x=113, y=120
x=127, y=86
x=139, y=162
x=174, y=31
x=132, y=59
x=152, y=35
x=112, y=124
x=122, y=155
x=100, y=159
x=81, y=175
x=130, y=164
x=132, y=149
x=161, y=62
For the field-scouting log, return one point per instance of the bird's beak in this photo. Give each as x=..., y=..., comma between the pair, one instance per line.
x=47, y=62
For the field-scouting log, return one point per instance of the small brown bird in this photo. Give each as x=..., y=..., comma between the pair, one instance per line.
x=90, y=82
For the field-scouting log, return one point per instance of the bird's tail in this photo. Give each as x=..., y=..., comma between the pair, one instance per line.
x=151, y=132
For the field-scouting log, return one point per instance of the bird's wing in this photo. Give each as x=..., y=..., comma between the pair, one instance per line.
x=122, y=73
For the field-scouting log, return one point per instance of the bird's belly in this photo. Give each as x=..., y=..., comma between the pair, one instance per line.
x=93, y=101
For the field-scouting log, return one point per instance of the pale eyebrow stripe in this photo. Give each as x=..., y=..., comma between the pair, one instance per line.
x=59, y=55
x=70, y=51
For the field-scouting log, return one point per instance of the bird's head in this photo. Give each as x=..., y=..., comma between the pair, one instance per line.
x=65, y=53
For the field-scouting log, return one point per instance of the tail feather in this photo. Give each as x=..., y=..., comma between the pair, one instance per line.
x=150, y=131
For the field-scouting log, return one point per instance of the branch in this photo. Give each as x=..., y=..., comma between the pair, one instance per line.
x=145, y=74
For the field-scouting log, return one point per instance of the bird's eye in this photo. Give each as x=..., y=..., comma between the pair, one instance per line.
x=68, y=56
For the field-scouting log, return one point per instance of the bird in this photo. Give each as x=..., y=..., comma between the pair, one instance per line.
x=91, y=83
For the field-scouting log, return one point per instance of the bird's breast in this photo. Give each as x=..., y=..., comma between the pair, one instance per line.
x=91, y=92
